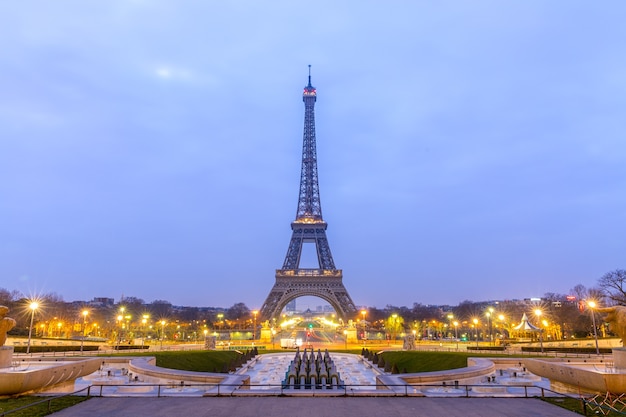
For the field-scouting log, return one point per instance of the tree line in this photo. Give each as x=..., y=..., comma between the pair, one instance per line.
x=567, y=313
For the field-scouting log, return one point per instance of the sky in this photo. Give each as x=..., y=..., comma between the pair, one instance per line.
x=467, y=150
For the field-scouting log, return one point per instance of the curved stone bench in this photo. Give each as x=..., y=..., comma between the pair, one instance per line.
x=478, y=368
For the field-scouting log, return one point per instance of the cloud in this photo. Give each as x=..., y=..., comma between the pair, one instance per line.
x=167, y=72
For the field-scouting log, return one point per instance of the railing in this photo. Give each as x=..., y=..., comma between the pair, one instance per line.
x=406, y=390
x=308, y=272
x=174, y=389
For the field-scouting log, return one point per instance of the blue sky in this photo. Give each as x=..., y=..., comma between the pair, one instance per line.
x=466, y=149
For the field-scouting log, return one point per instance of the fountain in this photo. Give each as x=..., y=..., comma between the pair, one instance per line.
x=311, y=371
x=6, y=324
x=17, y=377
x=590, y=375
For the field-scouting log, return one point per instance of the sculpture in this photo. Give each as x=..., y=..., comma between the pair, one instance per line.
x=6, y=324
x=409, y=342
x=616, y=316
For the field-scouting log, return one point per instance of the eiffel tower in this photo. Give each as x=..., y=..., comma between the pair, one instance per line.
x=309, y=227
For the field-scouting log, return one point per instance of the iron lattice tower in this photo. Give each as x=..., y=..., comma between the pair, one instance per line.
x=326, y=281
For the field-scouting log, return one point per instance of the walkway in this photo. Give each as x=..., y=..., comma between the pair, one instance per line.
x=314, y=407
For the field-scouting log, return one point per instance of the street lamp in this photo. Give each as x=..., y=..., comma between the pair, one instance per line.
x=119, y=336
x=592, y=305
x=144, y=321
x=220, y=321
x=162, y=332
x=395, y=318
x=538, y=314
x=82, y=339
x=363, y=313
x=120, y=319
x=33, y=306
x=345, y=338
x=254, y=329
x=502, y=326
x=205, y=338
x=450, y=317
x=476, y=330
x=488, y=315
x=456, y=333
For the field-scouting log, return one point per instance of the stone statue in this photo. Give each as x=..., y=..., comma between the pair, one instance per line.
x=617, y=318
x=409, y=342
x=6, y=324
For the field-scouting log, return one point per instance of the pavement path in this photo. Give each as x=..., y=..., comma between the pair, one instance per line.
x=314, y=407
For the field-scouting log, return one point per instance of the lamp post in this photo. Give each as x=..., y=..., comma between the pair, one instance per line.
x=162, y=332
x=592, y=306
x=120, y=319
x=254, y=329
x=502, y=327
x=363, y=313
x=33, y=306
x=119, y=335
x=450, y=317
x=128, y=332
x=144, y=321
x=538, y=314
x=476, y=330
x=82, y=339
x=345, y=338
x=395, y=318
x=489, y=315
x=220, y=316
x=205, y=338
x=456, y=333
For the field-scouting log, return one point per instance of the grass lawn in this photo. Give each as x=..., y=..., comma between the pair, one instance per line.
x=427, y=361
x=572, y=404
x=37, y=410
x=575, y=405
x=193, y=360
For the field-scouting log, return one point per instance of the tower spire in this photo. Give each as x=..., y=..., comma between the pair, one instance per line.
x=309, y=207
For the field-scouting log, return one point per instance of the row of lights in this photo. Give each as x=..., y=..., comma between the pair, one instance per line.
x=34, y=305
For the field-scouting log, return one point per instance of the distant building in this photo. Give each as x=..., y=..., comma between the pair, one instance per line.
x=291, y=306
x=102, y=302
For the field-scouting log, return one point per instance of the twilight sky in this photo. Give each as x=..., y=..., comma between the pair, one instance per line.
x=466, y=149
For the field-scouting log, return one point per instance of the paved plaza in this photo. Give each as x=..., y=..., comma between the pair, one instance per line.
x=314, y=407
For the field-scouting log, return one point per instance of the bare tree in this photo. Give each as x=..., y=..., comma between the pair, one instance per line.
x=579, y=291
x=238, y=311
x=160, y=308
x=8, y=298
x=613, y=286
